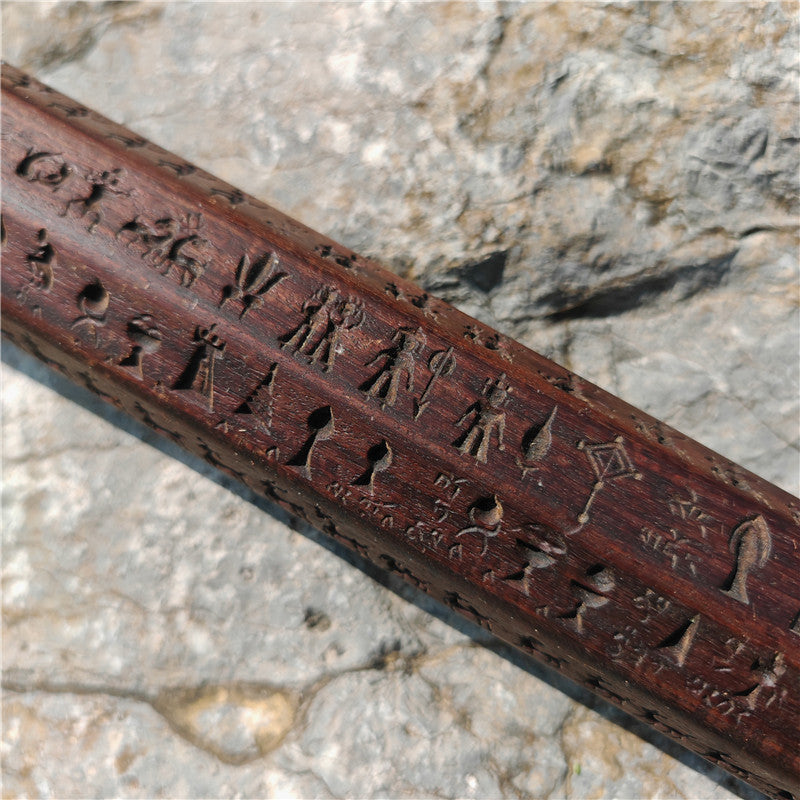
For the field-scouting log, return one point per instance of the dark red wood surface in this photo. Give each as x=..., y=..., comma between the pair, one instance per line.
x=573, y=526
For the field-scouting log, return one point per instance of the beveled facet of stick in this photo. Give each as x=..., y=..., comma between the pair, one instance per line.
x=581, y=531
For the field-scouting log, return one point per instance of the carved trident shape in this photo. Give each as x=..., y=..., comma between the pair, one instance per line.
x=253, y=281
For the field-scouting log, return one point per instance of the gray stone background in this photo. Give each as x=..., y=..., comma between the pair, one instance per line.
x=614, y=185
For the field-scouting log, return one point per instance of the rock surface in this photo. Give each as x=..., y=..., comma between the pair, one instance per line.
x=614, y=185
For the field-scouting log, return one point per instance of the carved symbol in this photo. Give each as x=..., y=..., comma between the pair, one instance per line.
x=317, y=337
x=380, y=510
x=100, y=186
x=168, y=241
x=796, y=624
x=652, y=603
x=155, y=239
x=91, y=385
x=41, y=262
x=609, y=462
x=671, y=544
x=92, y=303
x=233, y=196
x=688, y=509
x=751, y=543
x=393, y=566
x=425, y=303
x=129, y=141
x=20, y=81
x=590, y=593
x=487, y=416
x=769, y=672
x=380, y=459
x=346, y=261
x=260, y=401
x=70, y=110
x=679, y=642
x=536, y=444
x=150, y=422
x=253, y=281
x=452, y=485
x=453, y=600
x=198, y=375
x=185, y=254
x=146, y=338
x=181, y=169
x=442, y=364
x=393, y=290
x=320, y=422
x=536, y=559
x=424, y=533
x=398, y=361
x=40, y=166
x=630, y=642
x=491, y=340
x=486, y=514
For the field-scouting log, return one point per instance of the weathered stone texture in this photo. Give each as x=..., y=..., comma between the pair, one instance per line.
x=615, y=185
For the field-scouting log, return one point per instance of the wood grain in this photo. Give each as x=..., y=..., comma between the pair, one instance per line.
x=571, y=525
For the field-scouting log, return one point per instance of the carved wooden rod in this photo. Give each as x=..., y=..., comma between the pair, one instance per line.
x=578, y=529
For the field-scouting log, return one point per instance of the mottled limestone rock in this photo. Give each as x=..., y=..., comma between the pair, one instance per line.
x=615, y=185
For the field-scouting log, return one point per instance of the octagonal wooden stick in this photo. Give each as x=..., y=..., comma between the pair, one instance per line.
x=578, y=529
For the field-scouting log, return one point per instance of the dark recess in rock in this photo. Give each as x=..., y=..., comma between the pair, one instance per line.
x=608, y=301
x=487, y=273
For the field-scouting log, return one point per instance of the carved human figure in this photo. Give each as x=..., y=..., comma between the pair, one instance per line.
x=487, y=418
x=346, y=315
x=198, y=375
x=399, y=362
x=318, y=336
x=310, y=332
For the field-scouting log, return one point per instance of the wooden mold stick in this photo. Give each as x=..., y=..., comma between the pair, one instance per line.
x=574, y=527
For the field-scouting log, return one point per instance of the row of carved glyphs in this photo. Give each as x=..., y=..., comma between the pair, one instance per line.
x=177, y=246
x=327, y=316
